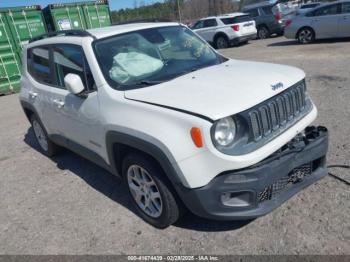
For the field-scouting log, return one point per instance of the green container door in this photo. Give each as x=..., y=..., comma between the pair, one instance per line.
x=65, y=17
x=97, y=14
x=10, y=68
x=25, y=23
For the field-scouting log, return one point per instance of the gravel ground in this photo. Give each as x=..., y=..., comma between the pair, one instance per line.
x=68, y=205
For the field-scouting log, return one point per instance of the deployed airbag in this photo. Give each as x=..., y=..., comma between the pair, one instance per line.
x=133, y=66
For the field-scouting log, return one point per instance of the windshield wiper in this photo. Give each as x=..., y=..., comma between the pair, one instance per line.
x=148, y=83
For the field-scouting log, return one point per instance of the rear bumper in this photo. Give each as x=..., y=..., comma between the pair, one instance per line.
x=255, y=191
x=241, y=39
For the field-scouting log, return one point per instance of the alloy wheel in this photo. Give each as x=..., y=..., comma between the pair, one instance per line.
x=144, y=191
x=305, y=36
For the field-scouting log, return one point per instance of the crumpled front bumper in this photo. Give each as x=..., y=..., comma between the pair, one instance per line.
x=257, y=190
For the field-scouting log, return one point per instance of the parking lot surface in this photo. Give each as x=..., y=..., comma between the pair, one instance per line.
x=67, y=205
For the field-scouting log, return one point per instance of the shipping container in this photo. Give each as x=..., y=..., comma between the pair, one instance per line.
x=97, y=14
x=17, y=26
x=80, y=15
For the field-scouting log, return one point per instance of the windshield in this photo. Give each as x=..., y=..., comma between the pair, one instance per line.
x=151, y=56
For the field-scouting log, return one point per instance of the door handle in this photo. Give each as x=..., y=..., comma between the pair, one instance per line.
x=32, y=94
x=58, y=103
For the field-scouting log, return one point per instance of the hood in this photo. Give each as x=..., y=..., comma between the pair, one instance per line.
x=221, y=90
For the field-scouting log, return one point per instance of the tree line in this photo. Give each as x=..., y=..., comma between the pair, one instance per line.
x=188, y=10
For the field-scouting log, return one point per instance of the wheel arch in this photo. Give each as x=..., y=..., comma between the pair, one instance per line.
x=28, y=109
x=218, y=34
x=119, y=144
x=262, y=25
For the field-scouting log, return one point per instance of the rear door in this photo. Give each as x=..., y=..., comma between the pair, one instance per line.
x=254, y=14
x=344, y=21
x=325, y=21
x=40, y=84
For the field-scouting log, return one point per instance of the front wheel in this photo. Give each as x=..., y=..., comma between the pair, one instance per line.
x=306, y=36
x=151, y=192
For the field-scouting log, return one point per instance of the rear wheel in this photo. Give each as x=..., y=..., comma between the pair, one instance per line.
x=306, y=35
x=263, y=32
x=47, y=147
x=221, y=42
x=150, y=190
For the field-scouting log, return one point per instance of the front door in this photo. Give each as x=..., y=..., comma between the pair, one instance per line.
x=76, y=117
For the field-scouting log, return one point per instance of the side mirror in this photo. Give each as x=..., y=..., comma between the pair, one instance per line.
x=74, y=84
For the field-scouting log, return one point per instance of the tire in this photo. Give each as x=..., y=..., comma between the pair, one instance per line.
x=221, y=42
x=306, y=35
x=263, y=32
x=46, y=146
x=144, y=178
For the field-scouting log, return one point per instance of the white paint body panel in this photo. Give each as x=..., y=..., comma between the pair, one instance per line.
x=214, y=92
x=209, y=33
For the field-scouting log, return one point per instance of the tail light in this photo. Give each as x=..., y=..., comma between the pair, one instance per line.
x=287, y=23
x=278, y=16
x=235, y=28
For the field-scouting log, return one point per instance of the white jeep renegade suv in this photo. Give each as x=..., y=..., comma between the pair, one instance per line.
x=185, y=127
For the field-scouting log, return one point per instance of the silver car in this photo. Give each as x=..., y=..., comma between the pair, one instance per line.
x=325, y=21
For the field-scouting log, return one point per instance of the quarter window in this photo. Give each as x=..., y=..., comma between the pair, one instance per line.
x=70, y=59
x=39, y=64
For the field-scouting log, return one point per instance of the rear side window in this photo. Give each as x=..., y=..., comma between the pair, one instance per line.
x=235, y=20
x=70, y=59
x=253, y=12
x=346, y=8
x=267, y=10
x=210, y=23
x=328, y=10
x=39, y=65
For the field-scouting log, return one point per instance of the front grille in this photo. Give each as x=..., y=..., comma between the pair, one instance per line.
x=277, y=112
x=283, y=183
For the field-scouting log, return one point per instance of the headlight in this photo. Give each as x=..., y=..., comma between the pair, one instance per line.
x=224, y=132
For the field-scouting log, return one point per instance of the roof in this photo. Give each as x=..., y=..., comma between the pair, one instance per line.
x=120, y=29
x=224, y=16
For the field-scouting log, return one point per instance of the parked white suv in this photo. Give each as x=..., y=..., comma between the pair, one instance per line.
x=223, y=31
x=185, y=127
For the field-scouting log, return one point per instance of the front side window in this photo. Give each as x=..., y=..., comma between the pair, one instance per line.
x=150, y=56
x=39, y=64
x=198, y=25
x=328, y=10
x=70, y=59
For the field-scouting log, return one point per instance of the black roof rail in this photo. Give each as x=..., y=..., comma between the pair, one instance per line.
x=147, y=20
x=62, y=33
